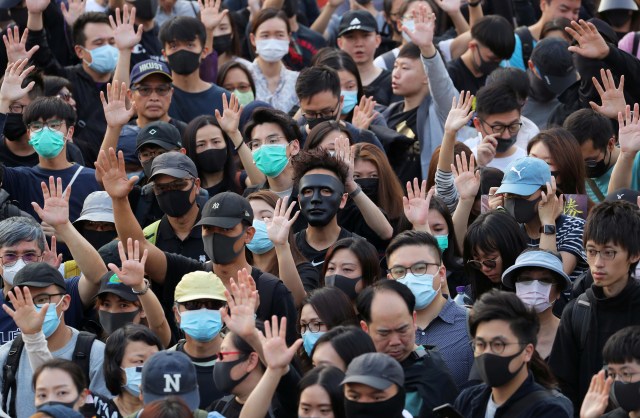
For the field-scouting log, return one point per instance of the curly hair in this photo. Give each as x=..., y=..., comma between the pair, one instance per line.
x=315, y=159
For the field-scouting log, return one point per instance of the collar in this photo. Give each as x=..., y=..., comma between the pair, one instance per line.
x=448, y=311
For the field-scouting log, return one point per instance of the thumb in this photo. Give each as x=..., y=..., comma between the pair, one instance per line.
x=43, y=311
x=594, y=106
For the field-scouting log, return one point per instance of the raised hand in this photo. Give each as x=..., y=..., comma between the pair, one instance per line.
x=416, y=204
x=550, y=206
x=111, y=169
x=466, y=178
x=629, y=133
x=11, y=89
x=16, y=46
x=123, y=31
x=231, y=111
x=460, y=112
x=344, y=154
x=115, y=109
x=422, y=36
x=612, y=97
x=590, y=43
x=132, y=271
x=597, y=398
x=242, y=302
x=274, y=345
x=210, y=13
x=49, y=255
x=24, y=312
x=56, y=203
x=364, y=113
x=487, y=150
x=37, y=6
x=449, y=6
x=279, y=225
x=72, y=12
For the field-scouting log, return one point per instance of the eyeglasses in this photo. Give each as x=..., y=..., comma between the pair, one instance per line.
x=177, y=185
x=147, y=155
x=514, y=128
x=254, y=144
x=44, y=298
x=311, y=326
x=592, y=163
x=194, y=305
x=496, y=346
x=146, y=91
x=604, y=254
x=67, y=97
x=17, y=108
x=222, y=354
x=53, y=124
x=324, y=114
x=489, y=263
x=626, y=377
x=9, y=260
x=419, y=269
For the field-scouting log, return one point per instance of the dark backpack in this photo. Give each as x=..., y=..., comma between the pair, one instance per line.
x=581, y=319
x=636, y=42
x=81, y=356
x=526, y=38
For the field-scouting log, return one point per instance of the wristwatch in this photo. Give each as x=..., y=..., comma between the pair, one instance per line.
x=147, y=285
x=548, y=229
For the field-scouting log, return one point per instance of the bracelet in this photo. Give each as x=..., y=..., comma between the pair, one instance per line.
x=147, y=285
x=356, y=192
x=476, y=4
x=239, y=145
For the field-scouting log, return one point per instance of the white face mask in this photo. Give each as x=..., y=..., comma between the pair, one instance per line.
x=535, y=294
x=8, y=273
x=272, y=50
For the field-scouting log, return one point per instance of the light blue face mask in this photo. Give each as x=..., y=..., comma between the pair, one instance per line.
x=309, y=340
x=47, y=142
x=51, y=319
x=202, y=324
x=421, y=287
x=134, y=380
x=103, y=59
x=410, y=24
x=260, y=243
x=443, y=241
x=350, y=101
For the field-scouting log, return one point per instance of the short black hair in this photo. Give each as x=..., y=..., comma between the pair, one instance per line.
x=412, y=237
x=496, y=33
x=79, y=37
x=182, y=28
x=321, y=130
x=365, y=298
x=314, y=80
x=615, y=222
x=587, y=124
x=506, y=306
x=38, y=87
x=513, y=77
x=623, y=346
x=409, y=50
x=349, y=342
x=53, y=84
x=263, y=115
x=496, y=98
x=230, y=65
x=47, y=108
x=318, y=158
x=329, y=378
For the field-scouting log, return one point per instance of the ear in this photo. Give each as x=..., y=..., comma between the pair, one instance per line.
x=343, y=200
x=634, y=258
x=142, y=314
x=250, y=232
x=528, y=352
x=295, y=147
x=70, y=131
x=80, y=52
x=364, y=326
x=339, y=42
x=415, y=319
x=532, y=67
x=183, y=151
x=164, y=54
x=476, y=124
x=82, y=398
x=473, y=44
x=66, y=303
x=176, y=314
x=253, y=362
x=378, y=40
x=252, y=39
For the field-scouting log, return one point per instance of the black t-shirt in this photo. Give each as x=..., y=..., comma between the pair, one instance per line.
x=9, y=159
x=309, y=276
x=351, y=219
x=101, y=406
x=380, y=89
x=192, y=246
x=462, y=77
x=406, y=123
x=204, y=369
x=315, y=257
x=148, y=48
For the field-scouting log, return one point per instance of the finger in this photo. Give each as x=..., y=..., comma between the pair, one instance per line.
x=123, y=257
x=621, y=85
x=59, y=190
x=283, y=327
x=409, y=190
x=598, y=87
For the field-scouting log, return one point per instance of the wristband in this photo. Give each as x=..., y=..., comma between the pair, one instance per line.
x=147, y=285
x=356, y=192
x=239, y=145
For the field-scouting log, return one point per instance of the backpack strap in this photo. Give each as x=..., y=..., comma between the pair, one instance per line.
x=595, y=189
x=526, y=38
x=145, y=201
x=581, y=319
x=527, y=401
x=636, y=42
x=227, y=403
x=151, y=232
x=389, y=59
x=82, y=352
x=10, y=371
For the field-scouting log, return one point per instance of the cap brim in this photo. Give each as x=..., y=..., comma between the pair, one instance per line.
x=559, y=84
x=200, y=296
x=96, y=217
x=143, y=76
x=509, y=275
x=192, y=399
x=173, y=172
x=164, y=144
x=357, y=27
x=518, y=189
x=220, y=222
x=120, y=293
x=373, y=381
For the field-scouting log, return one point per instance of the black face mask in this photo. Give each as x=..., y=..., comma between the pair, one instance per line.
x=494, y=369
x=318, y=209
x=313, y=122
x=391, y=408
x=14, y=127
x=538, y=89
x=113, y=321
x=617, y=17
x=486, y=67
x=98, y=238
x=175, y=203
x=599, y=168
x=522, y=210
x=146, y=167
x=222, y=375
x=222, y=43
x=184, y=62
x=625, y=395
x=219, y=248
x=505, y=144
x=212, y=160
x=19, y=15
x=369, y=187
x=146, y=9
x=347, y=285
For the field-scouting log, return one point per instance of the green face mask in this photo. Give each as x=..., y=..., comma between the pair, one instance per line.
x=244, y=98
x=271, y=159
x=47, y=142
x=443, y=241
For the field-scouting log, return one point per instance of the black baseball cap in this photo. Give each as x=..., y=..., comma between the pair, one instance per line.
x=111, y=283
x=174, y=164
x=555, y=64
x=627, y=195
x=226, y=210
x=377, y=370
x=357, y=20
x=148, y=67
x=39, y=274
x=159, y=133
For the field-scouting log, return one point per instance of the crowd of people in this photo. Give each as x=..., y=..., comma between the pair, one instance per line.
x=320, y=208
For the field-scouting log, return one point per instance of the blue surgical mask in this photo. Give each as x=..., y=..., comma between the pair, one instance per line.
x=421, y=287
x=443, y=241
x=260, y=243
x=103, y=59
x=202, y=324
x=309, y=340
x=47, y=142
x=134, y=380
x=410, y=24
x=51, y=319
x=271, y=159
x=350, y=101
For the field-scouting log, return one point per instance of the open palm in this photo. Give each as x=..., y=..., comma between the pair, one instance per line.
x=11, y=88
x=115, y=106
x=274, y=344
x=629, y=133
x=425, y=24
x=416, y=203
x=132, y=271
x=124, y=34
x=279, y=225
x=460, y=112
x=466, y=179
x=242, y=304
x=231, y=111
x=111, y=169
x=210, y=13
x=56, y=203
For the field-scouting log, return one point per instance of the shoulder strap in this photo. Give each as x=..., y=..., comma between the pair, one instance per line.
x=73, y=179
x=636, y=42
x=389, y=59
x=595, y=189
x=528, y=401
x=581, y=319
x=526, y=38
x=10, y=371
x=82, y=352
x=227, y=403
x=151, y=232
x=144, y=203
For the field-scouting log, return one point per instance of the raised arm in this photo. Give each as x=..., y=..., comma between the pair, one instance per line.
x=110, y=167
x=452, y=9
x=612, y=97
x=321, y=23
x=11, y=88
x=56, y=214
x=211, y=16
x=549, y=209
x=467, y=181
x=416, y=205
x=629, y=139
x=16, y=46
x=126, y=38
x=115, y=112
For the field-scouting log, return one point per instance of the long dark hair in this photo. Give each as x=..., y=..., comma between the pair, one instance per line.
x=329, y=378
x=366, y=254
x=332, y=305
x=451, y=257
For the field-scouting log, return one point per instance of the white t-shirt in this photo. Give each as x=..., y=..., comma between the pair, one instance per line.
x=492, y=407
x=499, y=163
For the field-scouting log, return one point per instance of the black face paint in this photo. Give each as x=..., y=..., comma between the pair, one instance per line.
x=319, y=198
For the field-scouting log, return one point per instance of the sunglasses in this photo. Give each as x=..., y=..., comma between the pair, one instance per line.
x=222, y=354
x=488, y=263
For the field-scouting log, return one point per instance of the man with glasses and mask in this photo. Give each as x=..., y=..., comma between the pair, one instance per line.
x=387, y=309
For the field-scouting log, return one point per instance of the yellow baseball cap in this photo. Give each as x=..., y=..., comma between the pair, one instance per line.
x=199, y=285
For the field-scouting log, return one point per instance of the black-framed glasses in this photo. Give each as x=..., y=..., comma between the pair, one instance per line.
x=624, y=376
x=324, y=114
x=9, y=260
x=592, y=163
x=43, y=298
x=499, y=128
x=176, y=185
x=314, y=326
x=194, y=305
x=148, y=154
x=17, y=108
x=419, y=269
x=489, y=263
x=604, y=254
x=496, y=346
x=146, y=91
x=53, y=124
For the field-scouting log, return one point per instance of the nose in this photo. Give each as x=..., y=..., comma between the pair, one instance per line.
x=316, y=198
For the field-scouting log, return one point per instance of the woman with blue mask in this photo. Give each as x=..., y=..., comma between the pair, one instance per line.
x=273, y=249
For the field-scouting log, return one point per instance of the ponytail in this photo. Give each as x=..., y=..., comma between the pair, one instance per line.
x=541, y=372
